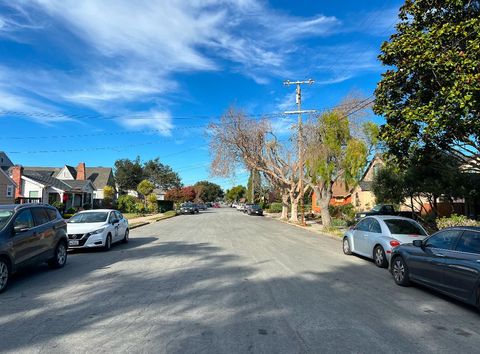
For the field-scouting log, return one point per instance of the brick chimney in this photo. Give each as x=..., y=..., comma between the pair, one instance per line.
x=81, y=173
x=17, y=172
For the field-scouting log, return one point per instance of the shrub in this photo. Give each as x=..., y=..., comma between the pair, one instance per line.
x=275, y=208
x=139, y=208
x=339, y=223
x=70, y=211
x=67, y=216
x=152, y=204
x=87, y=206
x=456, y=220
x=58, y=205
x=126, y=203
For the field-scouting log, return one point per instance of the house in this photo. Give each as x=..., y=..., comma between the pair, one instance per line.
x=7, y=185
x=74, y=186
x=361, y=196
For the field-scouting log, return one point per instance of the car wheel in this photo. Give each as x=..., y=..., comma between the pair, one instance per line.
x=379, y=257
x=346, y=246
x=126, y=238
x=108, y=243
x=60, y=256
x=4, y=274
x=400, y=271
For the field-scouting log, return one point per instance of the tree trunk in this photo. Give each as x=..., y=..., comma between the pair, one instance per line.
x=294, y=210
x=285, y=198
x=325, y=197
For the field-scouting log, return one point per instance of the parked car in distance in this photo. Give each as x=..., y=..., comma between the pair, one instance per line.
x=189, y=208
x=202, y=206
x=246, y=206
x=240, y=206
x=216, y=205
x=385, y=209
x=375, y=237
x=255, y=210
x=30, y=234
x=97, y=228
x=448, y=261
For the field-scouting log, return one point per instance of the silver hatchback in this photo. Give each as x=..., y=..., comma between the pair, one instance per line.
x=376, y=236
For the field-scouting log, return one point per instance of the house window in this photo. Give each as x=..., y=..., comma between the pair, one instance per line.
x=9, y=191
x=376, y=168
x=33, y=194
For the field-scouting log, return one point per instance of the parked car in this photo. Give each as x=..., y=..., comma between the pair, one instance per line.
x=245, y=207
x=201, y=206
x=189, y=208
x=240, y=206
x=385, y=209
x=30, y=234
x=255, y=210
x=448, y=261
x=216, y=205
x=376, y=236
x=97, y=228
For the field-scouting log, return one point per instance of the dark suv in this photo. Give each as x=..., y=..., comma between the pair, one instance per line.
x=30, y=234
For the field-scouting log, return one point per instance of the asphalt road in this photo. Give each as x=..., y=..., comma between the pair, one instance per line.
x=224, y=282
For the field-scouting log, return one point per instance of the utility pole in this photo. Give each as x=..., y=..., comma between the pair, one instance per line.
x=299, y=111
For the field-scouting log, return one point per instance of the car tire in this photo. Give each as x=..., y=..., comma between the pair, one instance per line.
x=108, y=243
x=4, y=274
x=400, y=271
x=379, y=257
x=60, y=256
x=126, y=238
x=346, y=246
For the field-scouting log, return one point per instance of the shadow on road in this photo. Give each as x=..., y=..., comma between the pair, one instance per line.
x=215, y=305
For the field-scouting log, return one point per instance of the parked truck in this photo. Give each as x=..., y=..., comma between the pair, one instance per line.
x=385, y=209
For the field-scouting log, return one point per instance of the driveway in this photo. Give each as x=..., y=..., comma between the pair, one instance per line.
x=224, y=282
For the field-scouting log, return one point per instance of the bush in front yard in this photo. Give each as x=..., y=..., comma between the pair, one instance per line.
x=456, y=220
x=275, y=208
x=152, y=204
x=126, y=203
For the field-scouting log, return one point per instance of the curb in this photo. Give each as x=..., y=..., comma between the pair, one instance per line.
x=306, y=228
x=143, y=223
x=138, y=225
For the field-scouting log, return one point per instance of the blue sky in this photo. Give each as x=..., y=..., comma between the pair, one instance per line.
x=95, y=81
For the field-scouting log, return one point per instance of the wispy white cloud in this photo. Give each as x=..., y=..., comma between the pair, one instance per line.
x=159, y=122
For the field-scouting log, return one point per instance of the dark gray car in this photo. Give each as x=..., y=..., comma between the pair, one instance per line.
x=30, y=234
x=447, y=261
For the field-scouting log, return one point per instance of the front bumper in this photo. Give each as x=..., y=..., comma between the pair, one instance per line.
x=86, y=241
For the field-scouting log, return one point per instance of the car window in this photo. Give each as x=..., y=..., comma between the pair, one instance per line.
x=443, y=239
x=403, y=227
x=111, y=217
x=24, y=219
x=52, y=214
x=100, y=216
x=363, y=225
x=119, y=215
x=375, y=226
x=469, y=242
x=5, y=216
x=40, y=216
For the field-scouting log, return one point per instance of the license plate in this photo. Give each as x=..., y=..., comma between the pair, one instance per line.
x=73, y=243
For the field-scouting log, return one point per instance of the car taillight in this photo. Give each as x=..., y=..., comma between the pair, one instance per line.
x=394, y=243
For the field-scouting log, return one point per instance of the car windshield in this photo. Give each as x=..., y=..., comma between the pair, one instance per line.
x=403, y=227
x=83, y=218
x=187, y=205
x=256, y=207
x=5, y=216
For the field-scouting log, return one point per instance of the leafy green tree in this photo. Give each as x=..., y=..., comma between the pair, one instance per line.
x=108, y=195
x=430, y=93
x=152, y=204
x=333, y=155
x=161, y=175
x=128, y=174
x=208, y=191
x=255, y=184
x=236, y=193
x=145, y=188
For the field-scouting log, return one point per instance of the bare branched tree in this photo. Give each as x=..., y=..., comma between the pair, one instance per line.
x=239, y=141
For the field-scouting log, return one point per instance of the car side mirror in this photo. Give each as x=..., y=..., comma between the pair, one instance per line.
x=114, y=221
x=20, y=228
x=418, y=243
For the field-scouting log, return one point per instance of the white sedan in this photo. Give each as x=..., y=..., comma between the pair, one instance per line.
x=376, y=236
x=97, y=228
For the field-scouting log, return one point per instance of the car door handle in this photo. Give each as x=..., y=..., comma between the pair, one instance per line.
x=478, y=260
x=439, y=254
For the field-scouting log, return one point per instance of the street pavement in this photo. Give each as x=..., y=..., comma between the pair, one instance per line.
x=225, y=282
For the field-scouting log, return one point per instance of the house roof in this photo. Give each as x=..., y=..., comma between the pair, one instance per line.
x=339, y=189
x=77, y=185
x=369, y=166
x=5, y=161
x=46, y=180
x=99, y=176
x=72, y=170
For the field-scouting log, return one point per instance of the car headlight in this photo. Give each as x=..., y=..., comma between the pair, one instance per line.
x=363, y=215
x=96, y=232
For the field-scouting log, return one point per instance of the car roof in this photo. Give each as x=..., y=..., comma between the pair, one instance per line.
x=95, y=210
x=389, y=217
x=473, y=228
x=25, y=205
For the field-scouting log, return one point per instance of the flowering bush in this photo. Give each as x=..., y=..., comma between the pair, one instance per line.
x=456, y=220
